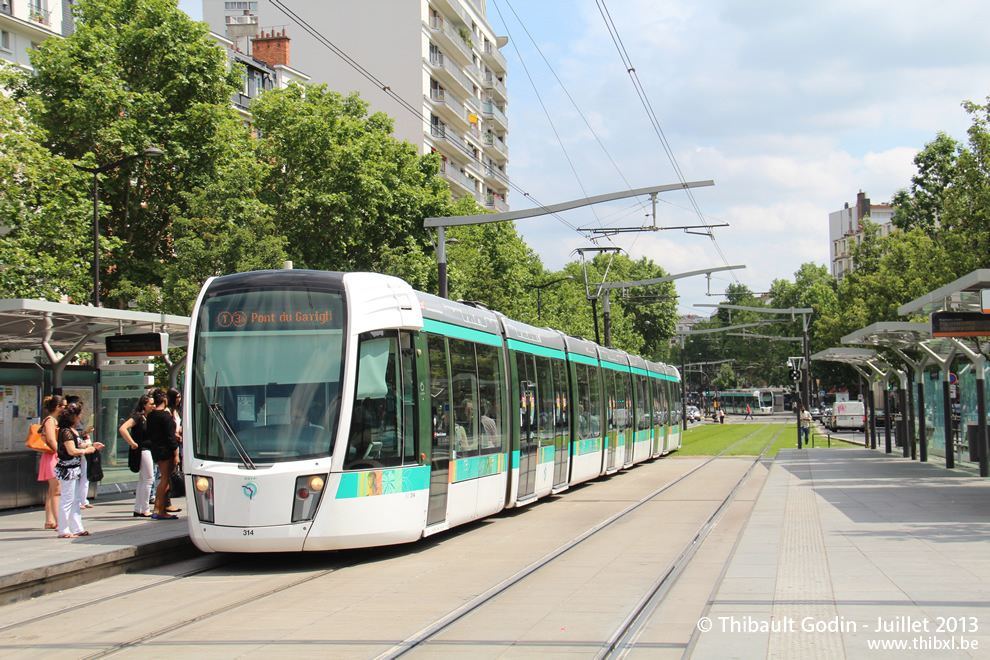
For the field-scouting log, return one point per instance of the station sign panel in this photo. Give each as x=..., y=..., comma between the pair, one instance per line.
x=148, y=344
x=960, y=324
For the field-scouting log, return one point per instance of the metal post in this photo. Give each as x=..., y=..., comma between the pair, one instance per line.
x=950, y=445
x=902, y=427
x=981, y=411
x=886, y=419
x=909, y=417
x=683, y=379
x=96, y=239
x=441, y=262
x=922, y=428
x=606, y=321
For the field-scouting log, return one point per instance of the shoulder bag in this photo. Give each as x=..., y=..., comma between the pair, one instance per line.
x=36, y=439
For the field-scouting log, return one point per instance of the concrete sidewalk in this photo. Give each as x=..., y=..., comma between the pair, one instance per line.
x=36, y=562
x=851, y=552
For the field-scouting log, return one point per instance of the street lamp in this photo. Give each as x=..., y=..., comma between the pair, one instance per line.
x=540, y=287
x=150, y=152
x=441, y=248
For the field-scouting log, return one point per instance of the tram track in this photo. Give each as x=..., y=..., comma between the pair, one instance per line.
x=351, y=559
x=621, y=640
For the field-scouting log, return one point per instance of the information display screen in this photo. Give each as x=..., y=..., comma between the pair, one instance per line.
x=149, y=344
x=960, y=324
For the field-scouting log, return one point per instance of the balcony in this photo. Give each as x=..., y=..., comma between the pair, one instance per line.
x=451, y=75
x=448, y=38
x=449, y=143
x=495, y=146
x=39, y=15
x=449, y=107
x=460, y=183
x=495, y=177
x=494, y=57
x=454, y=10
x=7, y=7
x=495, y=202
x=495, y=87
x=493, y=112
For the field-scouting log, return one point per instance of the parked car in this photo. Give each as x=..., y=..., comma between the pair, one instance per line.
x=816, y=413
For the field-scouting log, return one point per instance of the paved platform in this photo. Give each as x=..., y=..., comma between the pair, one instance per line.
x=34, y=561
x=857, y=553
x=844, y=550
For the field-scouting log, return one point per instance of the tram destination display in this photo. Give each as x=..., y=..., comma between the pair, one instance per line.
x=148, y=344
x=960, y=324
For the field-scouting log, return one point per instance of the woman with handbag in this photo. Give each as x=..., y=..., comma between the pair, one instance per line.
x=134, y=432
x=71, y=453
x=164, y=451
x=52, y=406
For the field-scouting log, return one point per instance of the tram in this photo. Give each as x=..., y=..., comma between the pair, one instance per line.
x=339, y=410
x=760, y=402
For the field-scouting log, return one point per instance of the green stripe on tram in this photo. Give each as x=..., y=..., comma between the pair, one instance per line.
x=459, y=332
x=523, y=347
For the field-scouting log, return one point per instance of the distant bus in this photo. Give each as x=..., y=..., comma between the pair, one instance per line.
x=760, y=401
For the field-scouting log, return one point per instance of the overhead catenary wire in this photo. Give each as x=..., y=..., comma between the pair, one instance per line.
x=644, y=99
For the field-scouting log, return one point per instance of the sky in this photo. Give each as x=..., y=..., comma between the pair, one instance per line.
x=790, y=107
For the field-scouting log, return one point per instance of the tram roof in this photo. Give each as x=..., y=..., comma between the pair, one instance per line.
x=25, y=324
x=962, y=295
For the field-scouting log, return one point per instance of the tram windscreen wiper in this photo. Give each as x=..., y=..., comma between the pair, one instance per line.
x=229, y=431
x=231, y=435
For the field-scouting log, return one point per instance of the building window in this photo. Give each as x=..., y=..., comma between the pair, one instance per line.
x=240, y=6
x=4, y=40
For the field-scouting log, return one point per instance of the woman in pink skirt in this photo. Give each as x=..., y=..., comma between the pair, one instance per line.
x=51, y=406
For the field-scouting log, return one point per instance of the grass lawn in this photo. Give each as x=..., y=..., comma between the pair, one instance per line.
x=747, y=440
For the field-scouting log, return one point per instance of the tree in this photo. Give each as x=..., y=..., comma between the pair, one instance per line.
x=924, y=204
x=343, y=191
x=137, y=73
x=45, y=207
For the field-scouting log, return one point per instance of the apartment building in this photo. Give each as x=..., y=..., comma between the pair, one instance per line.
x=441, y=57
x=845, y=230
x=26, y=23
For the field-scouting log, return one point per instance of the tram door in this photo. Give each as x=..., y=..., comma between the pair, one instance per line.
x=561, y=432
x=612, y=433
x=529, y=440
x=440, y=444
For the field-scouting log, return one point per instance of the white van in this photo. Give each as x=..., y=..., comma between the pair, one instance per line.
x=849, y=415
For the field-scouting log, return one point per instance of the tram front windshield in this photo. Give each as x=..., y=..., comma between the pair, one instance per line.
x=267, y=368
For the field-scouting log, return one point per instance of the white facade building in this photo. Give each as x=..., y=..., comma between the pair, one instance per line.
x=439, y=56
x=845, y=230
x=26, y=23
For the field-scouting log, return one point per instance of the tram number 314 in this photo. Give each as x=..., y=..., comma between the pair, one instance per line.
x=247, y=532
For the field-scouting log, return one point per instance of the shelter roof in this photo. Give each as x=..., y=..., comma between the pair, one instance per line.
x=25, y=324
x=891, y=334
x=963, y=295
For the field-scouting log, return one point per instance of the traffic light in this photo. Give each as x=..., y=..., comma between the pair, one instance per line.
x=795, y=374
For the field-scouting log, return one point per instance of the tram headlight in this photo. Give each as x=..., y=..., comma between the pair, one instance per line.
x=306, y=496
x=203, y=493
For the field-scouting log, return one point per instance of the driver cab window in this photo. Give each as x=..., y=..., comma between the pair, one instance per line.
x=377, y=434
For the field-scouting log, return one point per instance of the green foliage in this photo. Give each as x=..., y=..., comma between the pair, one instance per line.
x=137, y=73
x=46, y=207
x=342, y=190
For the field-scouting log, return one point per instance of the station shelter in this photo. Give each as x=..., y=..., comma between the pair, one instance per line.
x=937, y=373
x=57, y=348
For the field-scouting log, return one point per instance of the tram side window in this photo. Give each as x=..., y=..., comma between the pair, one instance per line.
x=439, y=397
x=561, y=409
x=610, y=399
x=490, y=393
x=642, y=403
x=583, y=418
x=374, y=439
x=526, y=372
x=464, y=397
x=595, y=400
x=623, y=402
x=545, y=400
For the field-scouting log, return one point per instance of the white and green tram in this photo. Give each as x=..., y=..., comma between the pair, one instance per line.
x=339, y=410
